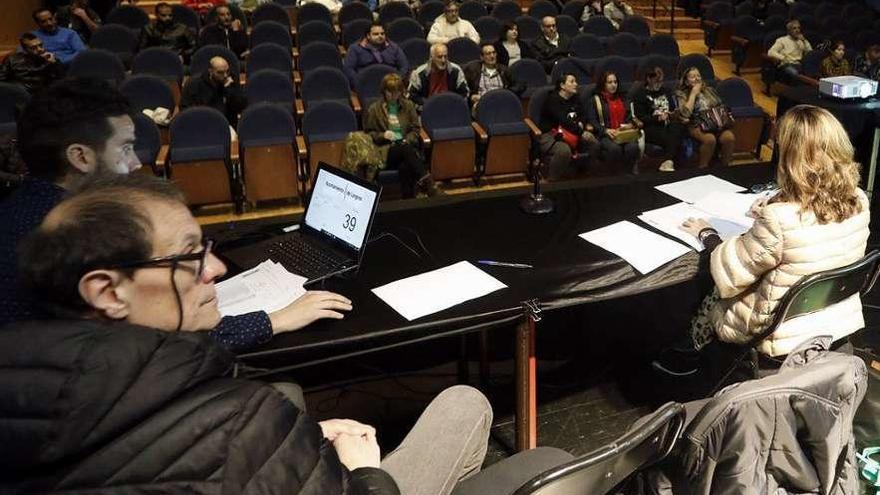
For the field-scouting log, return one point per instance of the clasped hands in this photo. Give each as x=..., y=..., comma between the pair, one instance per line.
x=355, y=442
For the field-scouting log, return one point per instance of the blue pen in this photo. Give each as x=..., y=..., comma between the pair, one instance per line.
x=501, y=263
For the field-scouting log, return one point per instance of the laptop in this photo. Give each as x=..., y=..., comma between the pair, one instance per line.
x=333, y=234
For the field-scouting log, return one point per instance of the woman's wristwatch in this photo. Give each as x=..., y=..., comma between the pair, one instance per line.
x=705, y=233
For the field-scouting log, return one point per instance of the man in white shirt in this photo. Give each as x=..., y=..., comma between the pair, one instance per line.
x=788, y=50
x=449, y=26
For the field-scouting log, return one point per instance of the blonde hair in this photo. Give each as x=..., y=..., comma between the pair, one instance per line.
x=392, y=82
x=817, y=168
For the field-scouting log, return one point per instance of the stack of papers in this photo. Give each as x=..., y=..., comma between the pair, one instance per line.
x=641, y=248
x=267, y=287
x=696, y=188
x=434, y=291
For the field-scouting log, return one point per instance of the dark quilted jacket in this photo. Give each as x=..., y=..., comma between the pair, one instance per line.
x=91, y=407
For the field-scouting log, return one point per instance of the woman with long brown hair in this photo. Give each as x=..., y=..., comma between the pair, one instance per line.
x=695, y=101
x=818, y=220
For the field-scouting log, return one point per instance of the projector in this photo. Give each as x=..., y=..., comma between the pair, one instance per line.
x=847, y=87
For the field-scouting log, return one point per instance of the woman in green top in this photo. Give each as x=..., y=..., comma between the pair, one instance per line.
x=393, y=124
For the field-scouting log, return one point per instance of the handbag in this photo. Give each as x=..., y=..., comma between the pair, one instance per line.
x=627, y=136
x=715, y=119
x=570, y=138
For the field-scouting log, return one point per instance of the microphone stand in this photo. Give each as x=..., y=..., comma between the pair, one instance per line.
x=536, y=203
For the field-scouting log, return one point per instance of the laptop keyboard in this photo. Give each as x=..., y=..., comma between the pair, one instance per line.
x=303, y=258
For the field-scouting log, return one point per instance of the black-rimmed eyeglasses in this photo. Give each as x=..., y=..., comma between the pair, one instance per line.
x=174, y=260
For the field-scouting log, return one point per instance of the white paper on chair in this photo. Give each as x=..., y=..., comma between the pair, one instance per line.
x=639, y=247
x=266, y=287
x=694, y=189
x=434, y=291
x=669, y=219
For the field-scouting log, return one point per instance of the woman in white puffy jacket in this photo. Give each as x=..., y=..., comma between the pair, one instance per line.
x=817, y=221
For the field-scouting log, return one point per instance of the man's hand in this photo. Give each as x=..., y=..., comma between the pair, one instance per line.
x=236, y=25
x=357, y=451
x=227, y=82
x=612, y=133
x=332, y=428
x=79, y=12
x=50, y=57
x=389, y=135
x=693, y=226
x=311, y=306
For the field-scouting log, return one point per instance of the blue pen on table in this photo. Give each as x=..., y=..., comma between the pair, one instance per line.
x=502, y=263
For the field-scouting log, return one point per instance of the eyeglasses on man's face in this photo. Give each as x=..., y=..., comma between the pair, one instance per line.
x=173, y=261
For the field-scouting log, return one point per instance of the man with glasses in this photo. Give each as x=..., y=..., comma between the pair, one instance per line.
x=80, y=127
x=149, y=403
x=450, y=26
x=487, y=74
x=33, y=67
x=373, y=49
x=551, y=46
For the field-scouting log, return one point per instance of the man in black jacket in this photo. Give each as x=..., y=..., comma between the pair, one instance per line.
x=123, y=391
x=551, y=45
x=487, y=74
x=167, y=32
x=215, y=88
x=226, y=32
x=33, y=67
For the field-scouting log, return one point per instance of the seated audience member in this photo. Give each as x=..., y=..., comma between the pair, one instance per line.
x=82, y=126
x=33, y=67
x=374, y=48
x=62, y=42
x=124, y=265
x=227, y=32
x=202, y=7
x=616, y=11
x=436, y=76
x=817, y=221
x=450, y=26
x=215, y=88
x=610, y=116
x=694, y=99
x=487, y=74
x=509, y=48
x=168, y=33
x=654, y=107
x=788, y=50
x=835, y=64
x=868, y=64
x=592, y=9
x=564, y=128
x=79, y=17
x=393, y=124
x=551, y=45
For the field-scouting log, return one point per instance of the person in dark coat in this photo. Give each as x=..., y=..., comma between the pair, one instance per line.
x=655, y=108
x=509, y=48
x=33, y=68
x=80, y=17
x=168, y=33
x=609, y=114
x=226, y=32
x=551, y=46
x=487, y=74
x=215, y=88
x=565, y=131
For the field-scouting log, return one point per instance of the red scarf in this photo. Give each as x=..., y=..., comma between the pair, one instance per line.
x=616, y=110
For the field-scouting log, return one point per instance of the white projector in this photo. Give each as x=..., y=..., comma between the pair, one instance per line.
x=847, y=87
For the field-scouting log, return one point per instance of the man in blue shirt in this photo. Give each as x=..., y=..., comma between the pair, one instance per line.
x=62, y=42
x=79, y=127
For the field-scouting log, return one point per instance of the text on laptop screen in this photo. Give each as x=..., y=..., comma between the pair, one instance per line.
x=340, y=208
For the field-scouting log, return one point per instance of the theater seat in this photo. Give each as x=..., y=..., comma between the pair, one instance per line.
x=448, y=130
x=270, y=163
x=325, y=127
x=198, y=159
x=500, y=113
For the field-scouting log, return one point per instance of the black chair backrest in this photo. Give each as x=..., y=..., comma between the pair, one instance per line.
x=131, y=17
x=354, y=30
x=599, y=26
x=264, y=124
x=369, y=80
x=145, y=91
x=12, y=97
x=394, y=10
x=187, y=17
x=319, y=54
x=567, y=26
x=574, y=8
x=270, y=56
x=115, y=38
x=471, y=10
x=313, y=11
x=463, y=50
x=404, y=28
x=270, y=12
x=600, y=471
x=429, y=11
x=271, y=32
x=588, y=46
x=147, y=140
x=529, y=28
x=270, y=86
x=353, y=11
x=543, y=8
x=636, y=25
x=315, y=31
x=417, y=51
x=100, y=64
x=506, y=10
x=663, y=44
x=199, y=133
x=489, y=29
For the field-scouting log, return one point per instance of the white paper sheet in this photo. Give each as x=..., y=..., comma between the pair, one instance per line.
x=693, y=189
x=267, y=287
x=669, y=219
x=434, y=291
x=732, y=206
x=641, y=248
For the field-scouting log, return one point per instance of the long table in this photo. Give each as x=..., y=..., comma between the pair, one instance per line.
x=411, y=237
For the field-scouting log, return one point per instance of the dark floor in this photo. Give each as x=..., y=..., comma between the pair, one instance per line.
x=594, y=378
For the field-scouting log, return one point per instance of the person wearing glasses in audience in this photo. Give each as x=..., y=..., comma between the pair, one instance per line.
x=551, y=46
x=80, y=127
x=487, y=74
x=509, y=48
x=450, y=26
x=818, y=220
x=151, y=404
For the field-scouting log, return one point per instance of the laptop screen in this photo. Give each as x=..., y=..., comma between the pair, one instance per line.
x=340, y=208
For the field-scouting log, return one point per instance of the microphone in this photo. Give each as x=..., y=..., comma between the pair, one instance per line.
x=536, y=203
